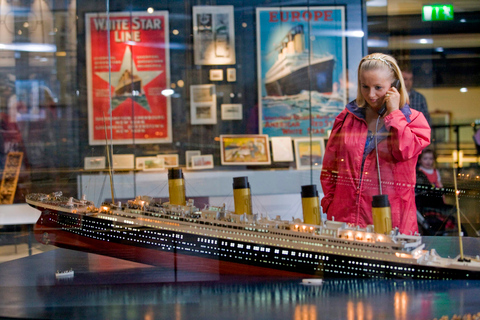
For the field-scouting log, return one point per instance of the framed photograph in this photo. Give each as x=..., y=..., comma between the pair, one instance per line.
x=231, y=74
x=213, y=35
x=232, y=111
x=204, y=161
x=245, y=149
x=282, y=149
x=94, y=163
x=188, y=157
x=203, y=104
x=123, y=161
x=170, y=160
x=309, y=151
x=216, y=75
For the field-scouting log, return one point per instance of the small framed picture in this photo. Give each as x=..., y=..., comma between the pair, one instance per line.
x=216, y=75
x=204, y=161
x=188, y=157
x=123, y=161
x=245, y=149
x=231, y=74
x=203, y=104
x=282, y=149
x=153, y=164
x=232, y=111
x=170, y=160
x=149, y=163
x=309, y=153
x=94, y=163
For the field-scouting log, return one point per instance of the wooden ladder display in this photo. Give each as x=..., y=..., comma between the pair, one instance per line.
x=13, y=163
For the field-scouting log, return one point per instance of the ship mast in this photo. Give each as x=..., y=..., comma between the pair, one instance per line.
x=108, y=159
x=459, y=225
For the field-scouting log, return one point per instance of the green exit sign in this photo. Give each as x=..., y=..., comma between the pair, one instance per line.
x=437, y=12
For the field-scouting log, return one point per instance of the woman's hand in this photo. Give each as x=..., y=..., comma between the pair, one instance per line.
x=392, y=99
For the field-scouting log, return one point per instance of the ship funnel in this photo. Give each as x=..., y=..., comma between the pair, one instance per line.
x=381, y=214
x=241, y=196
x=310, y=205
x=176, y=186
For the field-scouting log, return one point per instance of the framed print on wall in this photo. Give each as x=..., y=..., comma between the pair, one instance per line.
x=232, y=111
x=170, y=160
x=216, y=75
x=213, y=35
x=309, y=153
x=94, y=163
x=282, y=150
x=245, y=149
x=149, y=163
x=311, y=42
x=203, y=104
x=189, y=155
x=204, y=161
x=123, y=161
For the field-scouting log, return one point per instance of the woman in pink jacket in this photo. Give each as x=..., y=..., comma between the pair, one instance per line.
x=349, y=175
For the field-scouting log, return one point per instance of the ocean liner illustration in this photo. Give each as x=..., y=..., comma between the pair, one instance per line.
x=128, y=83
x=296, y=69
x=176, y=234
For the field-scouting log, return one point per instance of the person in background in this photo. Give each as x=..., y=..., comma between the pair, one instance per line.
x=426, y=165
x=417, y=100
x=349, y=173
x=430, y=199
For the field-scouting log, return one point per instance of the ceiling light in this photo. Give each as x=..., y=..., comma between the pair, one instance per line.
x=463, y=89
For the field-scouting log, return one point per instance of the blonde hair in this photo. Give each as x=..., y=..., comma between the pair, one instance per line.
x=376, y=61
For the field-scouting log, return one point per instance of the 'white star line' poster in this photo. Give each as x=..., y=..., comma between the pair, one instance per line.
x=138, y=112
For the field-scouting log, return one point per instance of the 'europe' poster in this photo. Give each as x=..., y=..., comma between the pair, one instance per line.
x=301, y=69
x=128, y=100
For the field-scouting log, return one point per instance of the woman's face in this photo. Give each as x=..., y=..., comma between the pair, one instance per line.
x=374, y=85
x=426, y=160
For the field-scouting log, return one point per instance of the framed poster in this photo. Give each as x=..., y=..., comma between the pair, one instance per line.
x=204, y=161
x=232, y=111
x=282, y=150
x=213, y=35
x=309, y=151
x=203, y=104
x=127, y=91
x=245, y=149
x=301, y=69
x=170, y=160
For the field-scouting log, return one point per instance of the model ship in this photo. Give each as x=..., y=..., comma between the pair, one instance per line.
x=176, y=234
x=294, y=66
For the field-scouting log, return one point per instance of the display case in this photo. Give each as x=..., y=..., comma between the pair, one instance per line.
x=217, y=113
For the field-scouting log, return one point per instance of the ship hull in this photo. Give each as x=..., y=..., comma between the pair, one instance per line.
x=316, y=77
x=168, y=248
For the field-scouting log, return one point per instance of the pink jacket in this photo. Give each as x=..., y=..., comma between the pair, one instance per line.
x=347, y=192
